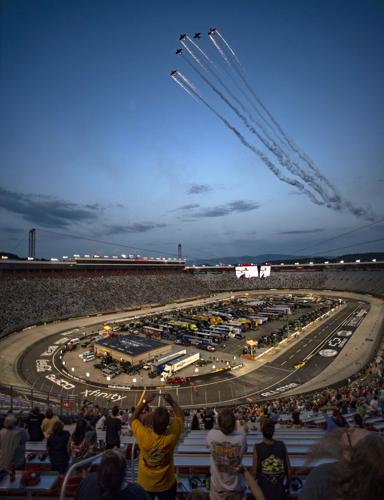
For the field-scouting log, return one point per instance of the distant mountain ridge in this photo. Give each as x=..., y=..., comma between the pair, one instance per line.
x=286, y=258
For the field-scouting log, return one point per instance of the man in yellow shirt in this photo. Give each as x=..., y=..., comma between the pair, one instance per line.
x=156, y=470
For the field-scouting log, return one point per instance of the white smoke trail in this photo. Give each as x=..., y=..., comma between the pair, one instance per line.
x=266, y=140
x=190, y=52
x=219, y=48
x=275, y=170
x=229, y=47
x=199, y=49
x=184, y=87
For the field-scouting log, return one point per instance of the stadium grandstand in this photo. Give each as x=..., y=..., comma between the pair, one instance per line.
x=35, y=293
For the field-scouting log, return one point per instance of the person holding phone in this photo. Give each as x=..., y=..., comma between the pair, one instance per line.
x=156, y=472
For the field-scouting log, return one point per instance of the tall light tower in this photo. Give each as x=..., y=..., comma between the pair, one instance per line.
x=32, y=243
x=179, y=254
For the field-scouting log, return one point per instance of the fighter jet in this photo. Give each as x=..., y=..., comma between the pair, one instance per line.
x=174, y=72
x=182, y=37
x=211, y=31
x=179, y=51
x=197, y=35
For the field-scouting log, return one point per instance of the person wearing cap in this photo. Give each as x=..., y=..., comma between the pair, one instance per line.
x=12, y=444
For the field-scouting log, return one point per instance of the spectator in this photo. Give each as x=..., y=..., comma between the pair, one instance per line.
x=79, y=445
x=270, y=465
x=241, y=423
x=48, y=423
x=113, y=429
x=12, y=444
x=33, y=425
x=227, y=448
x=338, y=445
x=362, y=476
x=330, y=424
x=156, y=470
x=195, y=424
x=57, y=446
x=110, y=482
x=209, y=420
x=100, y=431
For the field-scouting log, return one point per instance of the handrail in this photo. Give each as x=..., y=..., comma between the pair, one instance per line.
x=72, y=468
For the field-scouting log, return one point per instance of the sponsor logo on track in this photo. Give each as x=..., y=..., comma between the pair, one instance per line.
x=284, y=388
x=328, y=353
x=344, y=333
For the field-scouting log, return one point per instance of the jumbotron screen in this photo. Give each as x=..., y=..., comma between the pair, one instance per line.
x=249, y=271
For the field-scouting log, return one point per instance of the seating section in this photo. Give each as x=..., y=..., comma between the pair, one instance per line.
x=30, y=301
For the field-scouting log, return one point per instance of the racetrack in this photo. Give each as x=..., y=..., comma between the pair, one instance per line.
x=271, y=375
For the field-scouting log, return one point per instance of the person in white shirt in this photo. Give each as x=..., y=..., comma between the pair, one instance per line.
x=227, y=448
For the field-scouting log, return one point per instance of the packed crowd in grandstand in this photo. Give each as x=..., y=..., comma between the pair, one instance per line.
x=29, y=301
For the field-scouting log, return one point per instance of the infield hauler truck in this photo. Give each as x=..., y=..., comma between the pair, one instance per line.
x=174, y=366
x=158, y=366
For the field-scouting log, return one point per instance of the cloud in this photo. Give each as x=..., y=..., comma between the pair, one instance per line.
x=304, y=231
x=132, y=228
x=199, y=188
x=46, y=211
x=186, y=207
x=227, y=209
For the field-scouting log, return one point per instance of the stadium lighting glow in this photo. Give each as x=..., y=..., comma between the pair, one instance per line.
x=326, y=262
x=297, y=263
x=357, y=260
x=341, y=262
x=373, y=260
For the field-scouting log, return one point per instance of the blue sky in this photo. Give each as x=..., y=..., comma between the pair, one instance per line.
x=97, y=140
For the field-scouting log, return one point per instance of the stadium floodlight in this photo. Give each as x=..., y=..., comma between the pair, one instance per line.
x=115, y=257
x=311, y=263
x=96, y=256
x=373, y=260
x=282, y=264
x=357, y=260
x=87, y=256
x=65, y=256
x=326, y=262
x=76, y=255
x=29, y=258
x=106, y=256
x=341, y=262
x=297, y=263
x=53, y=259
x=123, y=255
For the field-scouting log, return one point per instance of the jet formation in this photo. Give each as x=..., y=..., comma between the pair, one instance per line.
x=279, y=153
